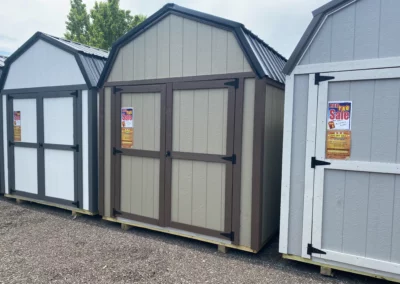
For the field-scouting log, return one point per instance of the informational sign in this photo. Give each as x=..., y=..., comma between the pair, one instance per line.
x=127, y=126
x=17, y=126
x=338, y=134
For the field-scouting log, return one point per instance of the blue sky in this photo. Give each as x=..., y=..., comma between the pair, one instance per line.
x=280, y=23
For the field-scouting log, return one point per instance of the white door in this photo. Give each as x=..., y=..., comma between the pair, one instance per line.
x=356, y=207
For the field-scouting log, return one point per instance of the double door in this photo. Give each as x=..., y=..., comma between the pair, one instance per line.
x=43, y=146
x=353, y=170
x=173, y=155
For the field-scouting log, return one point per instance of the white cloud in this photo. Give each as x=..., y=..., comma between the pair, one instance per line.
x=279, y=23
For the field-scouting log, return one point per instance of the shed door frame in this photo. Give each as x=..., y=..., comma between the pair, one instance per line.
x=117, y=151
x=318, y=176
x=40, y=145
x=212, y=84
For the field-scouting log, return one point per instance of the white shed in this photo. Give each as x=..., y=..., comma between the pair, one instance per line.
x=341, y=162
x=49, y=129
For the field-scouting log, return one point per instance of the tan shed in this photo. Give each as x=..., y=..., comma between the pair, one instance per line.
x=191, y=118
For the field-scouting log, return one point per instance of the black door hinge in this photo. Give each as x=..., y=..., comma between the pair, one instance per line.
x=116, y=151
x=76, y=203
x=234, y=83
x=116, y=212
x=311, y=250
x=116, y=89
x=75, y=94
x=315, y=163
x=10, y=143
x=76, y=148
x=230, y=235
x=230, y=158
x=319, y=78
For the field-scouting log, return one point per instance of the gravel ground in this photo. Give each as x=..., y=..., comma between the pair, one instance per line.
x=39, y=244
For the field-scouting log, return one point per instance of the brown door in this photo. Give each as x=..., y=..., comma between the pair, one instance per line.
x=138, y=158
x=200, y=158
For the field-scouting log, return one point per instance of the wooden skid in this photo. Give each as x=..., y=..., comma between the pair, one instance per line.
x=326, y=268
x=176, y=233
x=75, y=211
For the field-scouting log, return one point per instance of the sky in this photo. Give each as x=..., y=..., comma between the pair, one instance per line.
x=280, y=23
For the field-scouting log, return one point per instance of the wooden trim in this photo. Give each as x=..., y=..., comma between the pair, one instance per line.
x=286, y=165
x=237, y=168
x=101, y=162
x=168, y=160
x=116, y=130
x=138, y=218
x=258, y=159
x=199, y=157
x=198, y=230
x=26, y=144
x=181, y=79
x=161, y=202
x=44, y=89
x=58, y=147
x=199, y=85
x=139, y=153
x=142, y=89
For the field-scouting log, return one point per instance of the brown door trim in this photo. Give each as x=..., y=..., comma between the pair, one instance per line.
x=198, y=230
x=208, y=78
x=116, y=157
x=201, y=156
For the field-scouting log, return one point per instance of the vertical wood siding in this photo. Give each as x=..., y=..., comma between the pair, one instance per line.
x=273, y=137
x=247, y=163
x=178, y=47
x=363, y=30
x=146, y=118
x=360, y=213
x=200, y=121
x=140, y=186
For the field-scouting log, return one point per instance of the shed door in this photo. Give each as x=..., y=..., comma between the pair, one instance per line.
x=357, y=200
x=139, y=153
x=200, y=129
x=44, y=146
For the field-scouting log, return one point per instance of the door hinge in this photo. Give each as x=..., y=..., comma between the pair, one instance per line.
x=76, y=203
x=234, y=83
x=116, y=151
x=75, y=94
x=230, y=235
x=12, y=190
x=168, y=154
x=319, y=78
x=311, y=250
x=116, y=212
x=116, y=89
x=10, y=143
x=315, y=163
x=76, y=148
x=230, y=158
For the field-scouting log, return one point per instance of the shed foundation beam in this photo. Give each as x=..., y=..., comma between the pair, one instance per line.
x=326, y=271
x=223, y=249
x=125, y=227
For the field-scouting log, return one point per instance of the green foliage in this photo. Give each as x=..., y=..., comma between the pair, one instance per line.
x=107, y=23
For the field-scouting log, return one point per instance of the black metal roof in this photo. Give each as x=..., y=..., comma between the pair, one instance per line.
x=312, y=28
x=264, y=60
x=2, y=59
x=91, y=60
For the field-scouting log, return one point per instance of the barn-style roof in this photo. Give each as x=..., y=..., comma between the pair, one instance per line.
x=91, y=60
x=264, y=60
x=319, y=15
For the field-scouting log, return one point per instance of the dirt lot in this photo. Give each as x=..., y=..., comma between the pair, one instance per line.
x=39, y=244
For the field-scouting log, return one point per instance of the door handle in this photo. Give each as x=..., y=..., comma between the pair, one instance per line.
x=168, y=154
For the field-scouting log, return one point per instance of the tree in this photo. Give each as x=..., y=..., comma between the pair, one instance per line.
x=107, y=22
x=78, y=23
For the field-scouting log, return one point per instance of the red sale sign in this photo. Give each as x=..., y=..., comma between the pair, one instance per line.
x=339, y=115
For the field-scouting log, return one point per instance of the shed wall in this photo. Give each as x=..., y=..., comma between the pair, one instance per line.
x=297, y=171
x=178, y=47
x=44, y=65
x=272, y=162
x=362, y=30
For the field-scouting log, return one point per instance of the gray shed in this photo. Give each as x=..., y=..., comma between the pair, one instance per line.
x=49, y=123
x=191, y=119
x=340, y=202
